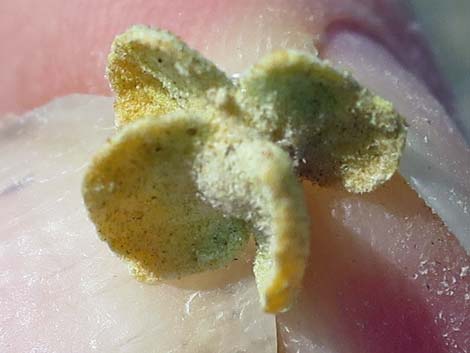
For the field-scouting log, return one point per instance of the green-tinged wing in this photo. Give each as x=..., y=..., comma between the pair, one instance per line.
x=335, y=129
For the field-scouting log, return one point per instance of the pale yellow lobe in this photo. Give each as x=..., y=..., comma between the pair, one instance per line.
x=141, y=195
x=181, y=193
x=153, y=72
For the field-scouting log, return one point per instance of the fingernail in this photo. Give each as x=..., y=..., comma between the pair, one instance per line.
x=436, y=161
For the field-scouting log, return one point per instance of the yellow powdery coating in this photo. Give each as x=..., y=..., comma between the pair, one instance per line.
x=182, y=192
x=153, y=72
x=335, y=129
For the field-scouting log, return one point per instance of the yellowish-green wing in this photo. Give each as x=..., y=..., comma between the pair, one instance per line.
x=335, y=129
x=251, y=178
x=152, y=72
x=141, y=195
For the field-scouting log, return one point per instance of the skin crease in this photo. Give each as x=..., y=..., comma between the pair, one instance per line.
x=357, y=284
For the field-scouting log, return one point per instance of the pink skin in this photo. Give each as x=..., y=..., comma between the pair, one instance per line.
x=64, y=45
x=385, y=274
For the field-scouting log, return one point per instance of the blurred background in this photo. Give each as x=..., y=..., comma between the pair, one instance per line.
x=447, y=26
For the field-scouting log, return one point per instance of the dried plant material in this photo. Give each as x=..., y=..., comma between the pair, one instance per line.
x=181, y=193
x=153, y=73
x=142, y=193
x=334, y=128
